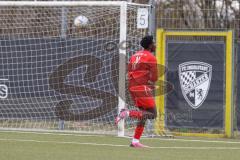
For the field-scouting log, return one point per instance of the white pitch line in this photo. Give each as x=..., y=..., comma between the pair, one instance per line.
x=55, y=134
x=62, y=142
x=198, y=148
x=117, y=145
x=98, y=135
x=196, y=140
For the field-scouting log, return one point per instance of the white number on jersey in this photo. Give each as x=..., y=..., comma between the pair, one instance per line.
x=134, y=66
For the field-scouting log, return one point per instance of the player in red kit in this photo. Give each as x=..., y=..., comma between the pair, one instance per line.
x=142, y=73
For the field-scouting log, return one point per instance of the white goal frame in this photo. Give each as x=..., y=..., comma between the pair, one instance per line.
x=123, y=35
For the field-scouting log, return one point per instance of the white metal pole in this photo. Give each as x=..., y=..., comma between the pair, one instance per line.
x=64, y=27
x=152, y=18
x=122, y=65
x=64, y=22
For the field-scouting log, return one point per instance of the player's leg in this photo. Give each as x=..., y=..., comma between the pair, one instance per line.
x=146, y=114
x=143, y=98
x=145, y=101
x=143, y=114
x=137, y=134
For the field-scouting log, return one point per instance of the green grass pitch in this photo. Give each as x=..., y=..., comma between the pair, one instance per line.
x=56, y=146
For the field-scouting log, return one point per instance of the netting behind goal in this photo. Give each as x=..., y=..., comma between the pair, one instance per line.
x=54, y=75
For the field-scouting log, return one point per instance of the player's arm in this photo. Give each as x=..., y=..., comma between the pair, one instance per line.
x=153, y=69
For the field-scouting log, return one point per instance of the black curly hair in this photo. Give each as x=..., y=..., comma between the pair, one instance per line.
x=146, y=41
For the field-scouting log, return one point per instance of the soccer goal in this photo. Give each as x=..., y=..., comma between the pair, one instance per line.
x=63, y=64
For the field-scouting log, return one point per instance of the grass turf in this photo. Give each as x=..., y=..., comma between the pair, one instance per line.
x=32, y=146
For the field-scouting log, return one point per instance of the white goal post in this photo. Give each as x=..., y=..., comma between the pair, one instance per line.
x=55, y=75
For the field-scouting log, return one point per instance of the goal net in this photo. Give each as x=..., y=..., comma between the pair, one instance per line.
x=55, y=74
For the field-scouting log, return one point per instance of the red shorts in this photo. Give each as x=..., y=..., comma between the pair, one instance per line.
x=142, y=96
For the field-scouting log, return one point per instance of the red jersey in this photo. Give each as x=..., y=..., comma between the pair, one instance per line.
x=142, y=68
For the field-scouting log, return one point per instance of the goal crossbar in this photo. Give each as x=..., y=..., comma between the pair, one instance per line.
x=67, y=3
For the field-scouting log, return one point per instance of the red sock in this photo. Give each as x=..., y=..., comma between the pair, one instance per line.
x=138, y=131
x=135, y=114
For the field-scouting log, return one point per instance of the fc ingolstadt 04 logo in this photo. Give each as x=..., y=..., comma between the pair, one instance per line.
x=195, y=80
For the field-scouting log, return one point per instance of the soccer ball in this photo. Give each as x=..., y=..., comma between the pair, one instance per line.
x=81, y=21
